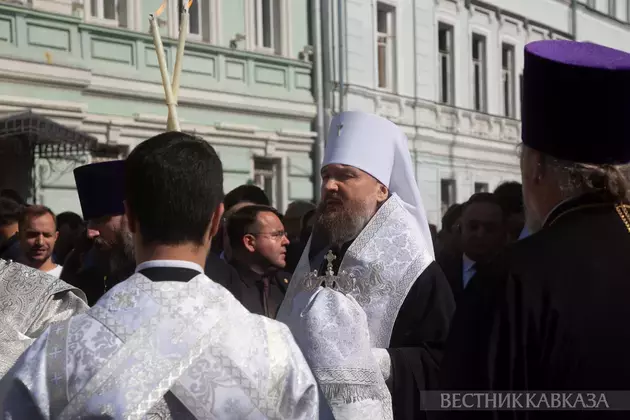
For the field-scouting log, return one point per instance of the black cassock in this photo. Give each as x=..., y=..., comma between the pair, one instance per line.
x=550, y=314
x=418, y=338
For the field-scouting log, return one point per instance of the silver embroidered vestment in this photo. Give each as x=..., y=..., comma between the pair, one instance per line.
x=384, y=260
x=30, y=300
x=161, y=350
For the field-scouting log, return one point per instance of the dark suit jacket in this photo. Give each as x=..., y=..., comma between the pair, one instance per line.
x=452, y=265
x=221, y=272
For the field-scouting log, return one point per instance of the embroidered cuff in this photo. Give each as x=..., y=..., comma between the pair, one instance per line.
x=384, y=362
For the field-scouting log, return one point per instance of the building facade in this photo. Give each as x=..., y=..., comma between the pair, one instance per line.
x=449, y=72
x=90, y=65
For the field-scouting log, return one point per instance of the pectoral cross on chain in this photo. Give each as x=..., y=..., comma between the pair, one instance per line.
x=330, y=257
x=339, y=128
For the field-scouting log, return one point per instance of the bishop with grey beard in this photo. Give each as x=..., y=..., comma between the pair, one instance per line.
x=371, y=216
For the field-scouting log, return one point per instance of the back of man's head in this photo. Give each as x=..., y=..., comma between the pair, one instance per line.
x=10, y=211
x=249, y=193
x=173, y=187
x=510, y=194
x=12, y=195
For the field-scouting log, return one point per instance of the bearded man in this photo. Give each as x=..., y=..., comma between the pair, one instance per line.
x=551, y=312
x=105, y=254
x=385, y=318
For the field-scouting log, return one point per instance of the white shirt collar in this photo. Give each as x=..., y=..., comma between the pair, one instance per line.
x=169, y=263
x=468, y=264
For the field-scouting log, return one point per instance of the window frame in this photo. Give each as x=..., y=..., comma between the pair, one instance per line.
x=511, y=74
x=284, y=46
x=276, y=173
x=100, y=13
x=389, y=44
x=479, y=101
x=449, y=55
x=209, y=21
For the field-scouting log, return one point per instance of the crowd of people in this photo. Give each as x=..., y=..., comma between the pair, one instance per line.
x=168, y=299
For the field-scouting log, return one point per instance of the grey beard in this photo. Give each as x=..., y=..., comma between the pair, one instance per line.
x=339, y=227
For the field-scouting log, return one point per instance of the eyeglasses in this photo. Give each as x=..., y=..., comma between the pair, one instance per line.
x=275, y=235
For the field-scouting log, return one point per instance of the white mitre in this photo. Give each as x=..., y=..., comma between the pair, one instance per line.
x=378, y=147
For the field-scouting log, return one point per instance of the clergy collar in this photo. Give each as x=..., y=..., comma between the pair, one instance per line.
x=169, y=263
x=584, y=201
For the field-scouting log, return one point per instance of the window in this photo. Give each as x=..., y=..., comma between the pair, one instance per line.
x=201, y=20
x=446, y=72
x=591, y=3
x=385, y=42
x=266, y=175
x=267, y=24
x=507, y=79
x=479, y=72
x=448, y=194
x=612, y=8
x=481, y=187
x=194, y=19
x=109, y=12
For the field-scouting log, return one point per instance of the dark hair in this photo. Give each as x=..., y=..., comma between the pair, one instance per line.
x=510, y=194
x=240, y=223
x=10, y=211
x=485, y=197
x=451, y=216
x=12, y=195
x=249, y=193
x=35, y=211
x=69, y=218
x=173, y=186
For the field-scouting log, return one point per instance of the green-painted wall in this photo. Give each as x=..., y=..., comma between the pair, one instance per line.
x=67, y=41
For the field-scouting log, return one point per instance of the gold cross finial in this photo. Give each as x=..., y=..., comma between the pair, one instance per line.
x=339, y=128
x=330, y=257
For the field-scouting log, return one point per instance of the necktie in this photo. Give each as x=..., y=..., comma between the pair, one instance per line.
x=265, y=281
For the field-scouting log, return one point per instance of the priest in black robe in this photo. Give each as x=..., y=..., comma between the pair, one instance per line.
x=371, y=226
x=551, y=312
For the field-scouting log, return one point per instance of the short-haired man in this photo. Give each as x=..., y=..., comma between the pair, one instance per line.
x=259, y=245
x=168, y=342
x=550, y=313
x=38, y=235
x=483, y=235
x=9, y=225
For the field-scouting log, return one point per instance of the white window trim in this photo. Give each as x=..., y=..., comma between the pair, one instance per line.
x=214, y=20
x=285, y=46
x=486, y=70
x=392, y=67
x=612, y=8
x=441, y=19
x=279, y=198
x=514, y=76
x=131, y=11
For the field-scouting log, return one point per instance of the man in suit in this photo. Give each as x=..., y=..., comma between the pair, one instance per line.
x=258, y=241
x=483, y=234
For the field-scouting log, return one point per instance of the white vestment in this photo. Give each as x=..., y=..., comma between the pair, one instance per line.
x=161, y=350
x=376, y=272
x=30, y=300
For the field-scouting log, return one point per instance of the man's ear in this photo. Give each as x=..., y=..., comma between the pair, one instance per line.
x=215, y=223
x=249, y=242
x=382, y=193
x=131, y=221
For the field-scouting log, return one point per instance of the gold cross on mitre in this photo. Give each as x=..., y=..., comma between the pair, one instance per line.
x=330, y=257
